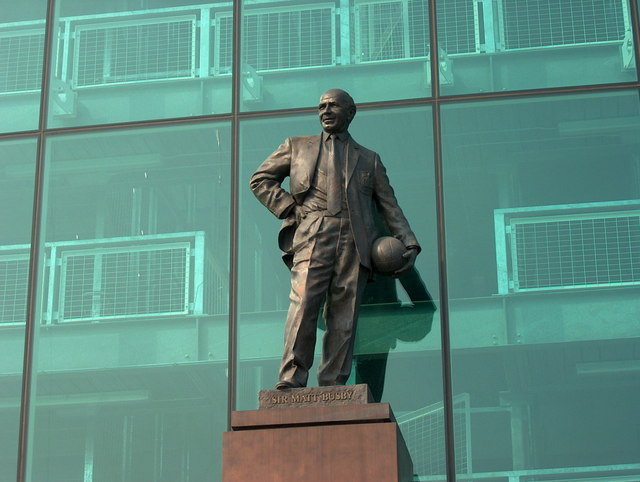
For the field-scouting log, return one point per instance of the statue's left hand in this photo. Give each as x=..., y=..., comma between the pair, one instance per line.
x=410, y=258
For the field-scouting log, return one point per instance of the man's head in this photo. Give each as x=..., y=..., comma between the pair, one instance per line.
x=336, y=110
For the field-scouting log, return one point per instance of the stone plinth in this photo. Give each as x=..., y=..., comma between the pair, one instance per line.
x=295, y=440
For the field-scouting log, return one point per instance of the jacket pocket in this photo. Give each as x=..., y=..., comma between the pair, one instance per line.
x=365, y=182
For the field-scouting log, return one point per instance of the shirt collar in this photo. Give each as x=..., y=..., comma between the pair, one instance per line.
x=342, y=136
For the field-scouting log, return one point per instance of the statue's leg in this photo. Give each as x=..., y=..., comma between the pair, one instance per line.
x=310, y=277
x=341, y=311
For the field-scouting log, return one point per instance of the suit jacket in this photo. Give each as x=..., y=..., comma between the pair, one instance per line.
x=367, y=184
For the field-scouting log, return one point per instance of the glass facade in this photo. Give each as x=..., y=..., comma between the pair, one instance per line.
x=17, y=164
x=524, y=44
x=378, y=49
x=542, y=257
x=22, y=32
x=118, y=62
x=157, y=301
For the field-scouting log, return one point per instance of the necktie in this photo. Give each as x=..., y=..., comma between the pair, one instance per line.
x=334, y=177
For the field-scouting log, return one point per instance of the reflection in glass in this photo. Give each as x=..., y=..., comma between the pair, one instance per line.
x=124, y=62
x=543, y=241
x=522, y=44
x=22, y=31
x=131, y=359
x=397, y=347
x=293, y=52
x=17, y=168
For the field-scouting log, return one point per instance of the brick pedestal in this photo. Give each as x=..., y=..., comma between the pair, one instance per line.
x=350, y=443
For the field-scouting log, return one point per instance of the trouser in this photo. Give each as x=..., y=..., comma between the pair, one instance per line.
x=326, y=268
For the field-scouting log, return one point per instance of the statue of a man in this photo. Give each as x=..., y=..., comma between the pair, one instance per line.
x=335, y=187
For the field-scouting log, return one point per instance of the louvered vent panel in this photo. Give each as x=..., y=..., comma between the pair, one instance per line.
x=543, y=23
x=125, y=282
x=224, y=49
x=381, y=30
x=564, y=252
x=281, y=39
x=400, y=29
x=14, y=272
x=418, y=28
x=423, y=431
x=135, y=51
x=458, y=28
x=21, y=57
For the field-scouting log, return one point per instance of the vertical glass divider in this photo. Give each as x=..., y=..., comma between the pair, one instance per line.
x=233, y=235
x=28, y=379
x=635, y=33
x=447, y=391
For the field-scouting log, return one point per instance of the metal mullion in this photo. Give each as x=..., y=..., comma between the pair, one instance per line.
x=447, y=390
x=446, y=99
x=175, y=121
x=444, y=296
x=236, y=92
x=28, y=384
x=19, y=134
x=457, y=98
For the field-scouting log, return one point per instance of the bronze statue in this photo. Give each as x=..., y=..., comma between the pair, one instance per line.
x=326, y=236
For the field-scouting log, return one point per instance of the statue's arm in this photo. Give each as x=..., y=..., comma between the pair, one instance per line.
x=266, y=182
x=389, y=208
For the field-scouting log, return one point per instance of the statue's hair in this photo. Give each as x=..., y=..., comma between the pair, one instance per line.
x=345, y=94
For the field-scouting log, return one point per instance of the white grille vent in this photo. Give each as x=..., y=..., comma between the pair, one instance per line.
x=137, y=50
x=126, y=277
x=21, y=56
x=458, y=27
x=574, y=249
x=107, y=283
x=545, y=23
x=399, y=29
x=279, y=39
x=381, y=31
x=423, y=431
x=14, y=273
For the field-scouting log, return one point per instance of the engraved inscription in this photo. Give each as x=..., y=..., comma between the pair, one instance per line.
x=314, y=396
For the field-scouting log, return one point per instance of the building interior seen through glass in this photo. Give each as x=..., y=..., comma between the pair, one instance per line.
x=142, y=293
x=21, y=57
x=17, y=165
x=543, y=236
x=136, y=267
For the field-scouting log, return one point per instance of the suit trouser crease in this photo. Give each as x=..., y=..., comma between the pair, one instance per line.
x=326, y=267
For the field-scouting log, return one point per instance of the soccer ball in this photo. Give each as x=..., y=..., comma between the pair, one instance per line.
x=386, y=254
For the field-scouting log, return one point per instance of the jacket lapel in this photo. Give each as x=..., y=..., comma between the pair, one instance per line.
x=352, y=158
x=306, y=161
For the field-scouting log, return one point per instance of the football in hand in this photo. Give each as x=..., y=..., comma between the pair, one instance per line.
x=386, y=255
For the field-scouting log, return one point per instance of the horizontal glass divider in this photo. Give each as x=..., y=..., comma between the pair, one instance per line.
x=442, y=100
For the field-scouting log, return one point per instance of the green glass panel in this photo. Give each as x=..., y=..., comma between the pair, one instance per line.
x=527, y=44
x=542, y=199
x=132, y=355
x=263, y=280
x=128, y=61
x=375, y=50
x=17, y=164
x=22, y=30
x=398, y=341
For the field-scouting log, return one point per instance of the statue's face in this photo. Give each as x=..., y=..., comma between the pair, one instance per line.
x=335, y=112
